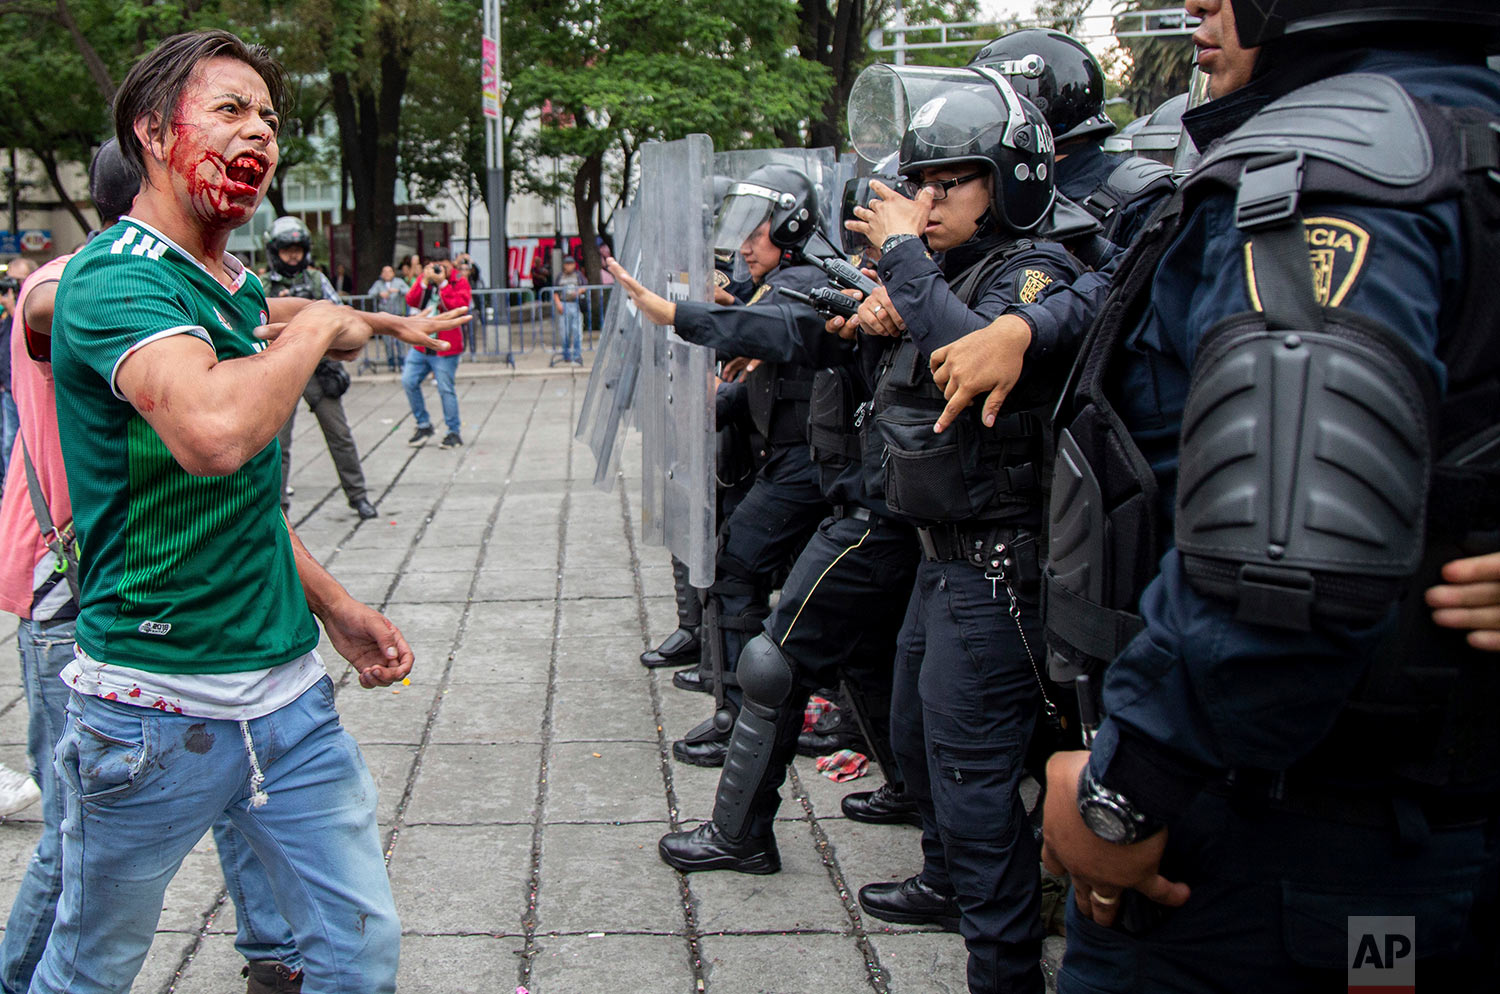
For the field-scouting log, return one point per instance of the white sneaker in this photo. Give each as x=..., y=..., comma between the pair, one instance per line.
x=17, y=791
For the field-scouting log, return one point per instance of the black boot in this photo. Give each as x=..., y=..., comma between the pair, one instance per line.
x=698, y=680
x=270, y=976
x=707, y=744
x=909, y=902
x=886, y=805
x=706, y=848
x=678, y=649
x=835, y=730
x=364, y=508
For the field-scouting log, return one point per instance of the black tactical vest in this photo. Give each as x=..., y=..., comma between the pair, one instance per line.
x=970, y=472
x=1424, y=714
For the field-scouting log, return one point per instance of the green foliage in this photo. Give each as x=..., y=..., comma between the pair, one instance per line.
x=1158, y=67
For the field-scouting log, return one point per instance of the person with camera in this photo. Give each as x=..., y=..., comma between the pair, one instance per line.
x=440, y=288
x=289, y=250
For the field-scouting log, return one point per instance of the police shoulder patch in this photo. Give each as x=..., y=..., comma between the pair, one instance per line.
x=721, y=278
x=1336, y=252
x=1030, y=284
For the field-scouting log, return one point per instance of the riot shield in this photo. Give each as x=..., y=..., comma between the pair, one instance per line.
x=675, y=395
x=612, y=382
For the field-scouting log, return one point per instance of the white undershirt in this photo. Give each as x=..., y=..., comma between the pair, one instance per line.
x=241, y=696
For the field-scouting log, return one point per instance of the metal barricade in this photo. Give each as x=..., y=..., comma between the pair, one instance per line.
x=505, y=323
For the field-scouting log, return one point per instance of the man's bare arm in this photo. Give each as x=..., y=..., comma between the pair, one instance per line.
x=366, y=638
x=215, y=416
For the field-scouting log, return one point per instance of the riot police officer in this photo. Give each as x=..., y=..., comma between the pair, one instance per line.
x=981, y=157
x=1057, y=73
x=767, y=217
x=289, y=252
x=1281, y=425
x=841, y=605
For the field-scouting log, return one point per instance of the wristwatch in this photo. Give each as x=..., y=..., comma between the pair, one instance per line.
x=1110, y=815
x=893, y=241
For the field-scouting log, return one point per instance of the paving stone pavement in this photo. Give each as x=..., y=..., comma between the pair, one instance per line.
x=525, y=773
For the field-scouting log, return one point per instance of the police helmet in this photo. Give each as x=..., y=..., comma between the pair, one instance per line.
x=286, y=232
x=988, y=123
x=113, y=184
x=1054, y=71
x=1159, y=137
x=1260, y=21
x=780, y=194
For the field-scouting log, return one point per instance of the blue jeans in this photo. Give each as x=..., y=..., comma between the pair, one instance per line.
x=46, y=648
x=143, y=786
x=442, y=367
x=10, y=424
x=572, y=343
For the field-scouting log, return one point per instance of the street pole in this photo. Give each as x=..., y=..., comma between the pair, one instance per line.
x=494, y=158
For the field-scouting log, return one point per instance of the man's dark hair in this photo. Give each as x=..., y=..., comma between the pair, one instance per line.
x=154, y=85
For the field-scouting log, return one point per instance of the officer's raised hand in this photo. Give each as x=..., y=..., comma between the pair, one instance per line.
x=1101, y=871
x=891, y=214
x=988, y=360
x=653, y=306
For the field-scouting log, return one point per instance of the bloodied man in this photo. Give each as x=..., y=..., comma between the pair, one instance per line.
x=198, y=691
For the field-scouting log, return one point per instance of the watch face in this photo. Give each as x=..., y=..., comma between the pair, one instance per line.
x=1104, y=821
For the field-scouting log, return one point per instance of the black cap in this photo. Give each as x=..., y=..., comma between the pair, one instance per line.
x=112, y=183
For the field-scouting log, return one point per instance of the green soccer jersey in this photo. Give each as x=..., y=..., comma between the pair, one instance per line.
x=180, y=573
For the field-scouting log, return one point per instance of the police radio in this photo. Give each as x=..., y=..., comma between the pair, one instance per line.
x=825, y=300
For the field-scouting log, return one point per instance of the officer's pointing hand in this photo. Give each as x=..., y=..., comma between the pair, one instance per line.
x=891, y=213
x=989, y=359
x=654, y=307
x=1101, y=870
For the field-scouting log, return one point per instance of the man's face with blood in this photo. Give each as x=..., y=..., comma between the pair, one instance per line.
x=220, y=149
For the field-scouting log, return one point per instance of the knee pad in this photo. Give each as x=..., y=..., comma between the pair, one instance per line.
x=766, y=675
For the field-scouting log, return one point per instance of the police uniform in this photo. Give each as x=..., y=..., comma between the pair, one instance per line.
x=1246, y=462
x=968, y=658
x=840, y=607
x=329, y=409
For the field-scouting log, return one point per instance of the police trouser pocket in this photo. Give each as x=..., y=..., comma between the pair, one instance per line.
x=973, y=788
x=1318, y=924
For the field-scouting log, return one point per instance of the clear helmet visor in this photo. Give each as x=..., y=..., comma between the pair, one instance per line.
x=885, y=101
x=742, y=212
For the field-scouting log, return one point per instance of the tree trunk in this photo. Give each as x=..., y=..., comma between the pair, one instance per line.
x=91, y=60
x=49, y=163
x=368, y=125
x=586, y=195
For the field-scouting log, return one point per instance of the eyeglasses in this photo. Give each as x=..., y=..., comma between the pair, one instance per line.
x=939, y=187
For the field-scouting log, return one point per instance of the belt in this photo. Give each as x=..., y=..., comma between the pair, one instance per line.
x=978, y=544
x=855, y=511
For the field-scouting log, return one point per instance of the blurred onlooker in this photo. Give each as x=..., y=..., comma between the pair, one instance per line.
x=390, y=296
x=470, y=272
x=342, y=281
x=565, y=300
x=541, y=274
x=440, y=288
x=389, y=291
x=411, y=269
x=10, y=285
x=606, y=278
